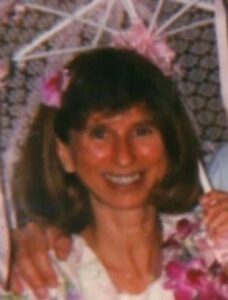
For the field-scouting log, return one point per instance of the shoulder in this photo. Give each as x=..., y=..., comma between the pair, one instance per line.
x=82, y=275
x=77, y=262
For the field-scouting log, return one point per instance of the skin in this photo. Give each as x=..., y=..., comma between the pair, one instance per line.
x=215, y=208
x=32, y=264
x=118, y=157
x=121, y=158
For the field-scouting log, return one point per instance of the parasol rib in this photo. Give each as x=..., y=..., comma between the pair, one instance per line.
x=46, y=9
x=103, y=23
x=130, y=8
x=155, y=16
x=56, y=52
x=65, y=15
x=4, y=240
x=203, y=5
x=176, y=16
x=191, y=26
x=60, y=26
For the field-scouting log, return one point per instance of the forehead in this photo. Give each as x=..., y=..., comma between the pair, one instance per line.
x=137, y=113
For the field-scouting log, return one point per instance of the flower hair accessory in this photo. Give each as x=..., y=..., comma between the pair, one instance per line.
x=148, y=44
x=53, y=87
x=139, y=38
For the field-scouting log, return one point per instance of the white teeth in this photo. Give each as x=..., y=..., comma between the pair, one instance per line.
x=123, y=179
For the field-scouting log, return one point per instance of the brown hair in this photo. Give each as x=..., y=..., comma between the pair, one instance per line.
x=108, y=80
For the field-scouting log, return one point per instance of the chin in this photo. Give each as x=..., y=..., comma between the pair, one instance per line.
x=128, y=204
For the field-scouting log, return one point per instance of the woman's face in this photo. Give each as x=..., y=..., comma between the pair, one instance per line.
x=120, y=158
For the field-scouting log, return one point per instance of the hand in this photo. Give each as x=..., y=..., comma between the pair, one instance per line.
x=32, y=264
x=215, y=208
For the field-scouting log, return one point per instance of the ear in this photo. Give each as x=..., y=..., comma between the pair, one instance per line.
x=65, y=156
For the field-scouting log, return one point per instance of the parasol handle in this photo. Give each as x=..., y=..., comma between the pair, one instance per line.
x=204, y=180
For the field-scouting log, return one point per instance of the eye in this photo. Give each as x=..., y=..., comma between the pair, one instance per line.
x=98, y=132
x=144, y=130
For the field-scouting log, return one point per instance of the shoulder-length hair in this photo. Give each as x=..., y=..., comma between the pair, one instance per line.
x=106, y=80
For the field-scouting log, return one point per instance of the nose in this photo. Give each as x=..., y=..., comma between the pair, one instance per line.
x=124, y=152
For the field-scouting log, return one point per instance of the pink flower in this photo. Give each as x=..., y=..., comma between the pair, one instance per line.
x=185, y=227
x=205, y=248
x=149, y=45
x=192, y=271
x=4, y=69
x=190, y=280
x=10, y=8
x=4, y=72
x=53, y=87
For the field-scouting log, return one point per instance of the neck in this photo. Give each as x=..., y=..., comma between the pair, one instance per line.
x=127, y=242
x=125, y=226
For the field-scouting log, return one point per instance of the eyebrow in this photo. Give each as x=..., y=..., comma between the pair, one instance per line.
x=147, y=121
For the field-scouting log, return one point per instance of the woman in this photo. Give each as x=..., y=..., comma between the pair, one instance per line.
x=110, y=155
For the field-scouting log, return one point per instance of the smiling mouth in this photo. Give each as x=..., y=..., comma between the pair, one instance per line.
x=123, y=179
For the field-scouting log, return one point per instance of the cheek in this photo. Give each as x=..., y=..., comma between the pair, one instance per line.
x=153, y=150
x=91, y=153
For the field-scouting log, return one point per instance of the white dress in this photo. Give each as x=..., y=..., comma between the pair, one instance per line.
x=186, y=249
x=83, y=277
x=85, y=271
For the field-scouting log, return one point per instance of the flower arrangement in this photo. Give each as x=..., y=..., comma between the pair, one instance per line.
x=191, y=269
x=138, y=38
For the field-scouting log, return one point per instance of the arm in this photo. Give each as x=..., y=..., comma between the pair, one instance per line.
x=31, y=260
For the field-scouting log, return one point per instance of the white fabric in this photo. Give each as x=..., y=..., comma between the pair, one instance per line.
x=155, y=291
x=93, y=280
x=83, y=277
x=218, y=169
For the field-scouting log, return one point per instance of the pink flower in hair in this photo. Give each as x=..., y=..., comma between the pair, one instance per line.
x=149, y=45
x=4, y=72
x=53, y=88
x=11, y=9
